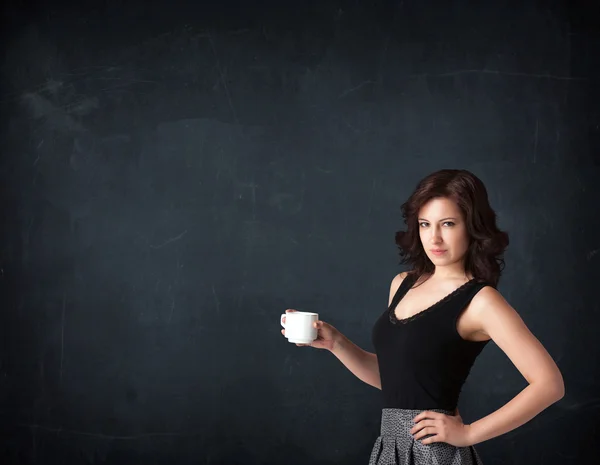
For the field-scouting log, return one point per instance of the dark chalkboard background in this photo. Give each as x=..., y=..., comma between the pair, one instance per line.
x=175, y=176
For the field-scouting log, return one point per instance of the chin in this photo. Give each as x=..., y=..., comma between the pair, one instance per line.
x=435, y=258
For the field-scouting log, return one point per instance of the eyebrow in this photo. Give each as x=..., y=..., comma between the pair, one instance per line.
x=443, y=219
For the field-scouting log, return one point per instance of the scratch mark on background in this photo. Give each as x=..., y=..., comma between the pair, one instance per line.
x=371, y=199
x=301, y=203
x=350, y=126
x=217, y=303
x=254, y=186
x=287, y=364
x=535, y=144
x=349, y=91
x=172, y=308
x=109, y=436
x=170, y=287
x=504, y=73
x=62, y=336
x=34, y=443
x=212, y=46
x=168, y=241
x=42, y=376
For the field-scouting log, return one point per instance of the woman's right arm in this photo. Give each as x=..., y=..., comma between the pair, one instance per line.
x=361, y=363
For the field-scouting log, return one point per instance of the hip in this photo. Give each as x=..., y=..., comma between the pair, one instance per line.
x=396, y=445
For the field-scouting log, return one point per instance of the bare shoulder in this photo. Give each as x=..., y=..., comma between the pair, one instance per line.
x=495, y=317
x=396, y=282
x=489, y=308
x=487, y=294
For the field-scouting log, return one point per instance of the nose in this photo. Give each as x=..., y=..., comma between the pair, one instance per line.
x=436, y=237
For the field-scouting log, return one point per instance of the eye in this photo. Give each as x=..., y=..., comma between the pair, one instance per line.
x=449, y=223
x=423, y=224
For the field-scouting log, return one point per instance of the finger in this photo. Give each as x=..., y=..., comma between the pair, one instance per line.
x=428, y=414
x=318, y=324
x=432, y=439
x=283, y=332
x=424, y=432
x=290, y=310
x=419, y=417
x=422, y=424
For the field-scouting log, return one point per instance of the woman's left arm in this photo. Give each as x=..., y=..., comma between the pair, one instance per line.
x=503, y=324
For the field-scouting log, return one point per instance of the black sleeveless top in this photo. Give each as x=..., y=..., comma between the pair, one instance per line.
x=423, y=360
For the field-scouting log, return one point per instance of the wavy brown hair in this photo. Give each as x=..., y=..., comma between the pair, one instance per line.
x=485, y=256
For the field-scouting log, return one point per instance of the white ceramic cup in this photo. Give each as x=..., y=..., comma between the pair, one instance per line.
x=299, y=327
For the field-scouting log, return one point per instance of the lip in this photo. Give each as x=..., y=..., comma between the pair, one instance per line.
x=438, y=251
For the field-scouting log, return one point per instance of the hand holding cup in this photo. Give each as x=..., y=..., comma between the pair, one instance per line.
x=305, y=329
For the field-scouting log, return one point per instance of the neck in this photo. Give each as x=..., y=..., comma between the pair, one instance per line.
x=455, y=271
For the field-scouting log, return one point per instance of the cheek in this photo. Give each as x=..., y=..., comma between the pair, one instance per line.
x=458, y=239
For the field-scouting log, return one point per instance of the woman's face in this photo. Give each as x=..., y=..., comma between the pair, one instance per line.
x=443, y=232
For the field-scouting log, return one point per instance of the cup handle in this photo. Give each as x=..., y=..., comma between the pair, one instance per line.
x=281, y=320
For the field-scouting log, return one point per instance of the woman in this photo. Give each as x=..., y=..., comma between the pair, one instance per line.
x=440, y=316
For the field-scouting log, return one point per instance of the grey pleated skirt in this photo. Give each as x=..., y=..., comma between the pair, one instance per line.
x=396, y=446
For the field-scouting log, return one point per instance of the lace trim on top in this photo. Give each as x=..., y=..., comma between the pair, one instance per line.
x=392, y=309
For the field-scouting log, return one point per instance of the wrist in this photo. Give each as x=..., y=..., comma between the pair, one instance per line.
x=470, y=434
x=338, y=342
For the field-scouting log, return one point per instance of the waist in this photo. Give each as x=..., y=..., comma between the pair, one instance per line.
x=414, y=392
x=419, y=400
x=398, y=421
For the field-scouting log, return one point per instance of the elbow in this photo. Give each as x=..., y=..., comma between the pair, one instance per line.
x=376, y=384
x=551, y=388
x=556, y=388
x=559, y=385
x=559, y=389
